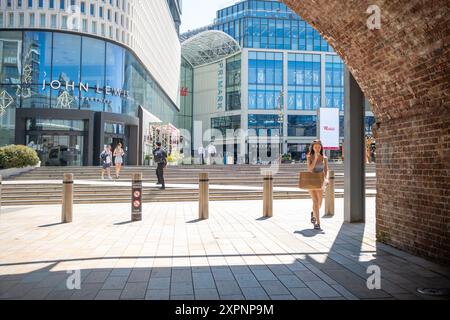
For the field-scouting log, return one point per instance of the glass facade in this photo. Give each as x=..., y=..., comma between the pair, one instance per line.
x=334, y=82
x=304, y=81
x=302, y=126
x=67, y=71
x=265, y=124
x=226, y=123
x=233, y=99
x=265, y=80
x=268, y=25
x=185, y=117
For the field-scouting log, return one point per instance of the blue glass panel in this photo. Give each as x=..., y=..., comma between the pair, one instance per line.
x=10, y=64
x=66, y=57
x=114, y=65
x=37, y=57
x=302, y=126
x=93, y=62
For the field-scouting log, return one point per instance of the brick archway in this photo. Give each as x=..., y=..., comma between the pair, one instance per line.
x=403, y=69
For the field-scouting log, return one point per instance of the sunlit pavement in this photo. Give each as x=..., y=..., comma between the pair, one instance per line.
x=236, y=254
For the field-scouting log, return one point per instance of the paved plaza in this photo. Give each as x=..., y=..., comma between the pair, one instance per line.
x=234, y=255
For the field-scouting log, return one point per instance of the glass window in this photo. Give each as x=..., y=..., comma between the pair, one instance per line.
x=265, y=71
x=10, y=64
x=66, y=57
x=304, y=78
x=55, y=125
x=37, y=57
x=8, y=116
x=302, y=126
x=42, y=20
x=233, y=89
x=36, y=97
x=334, y=82
x=114, y=128
x=265, y=124
x=226, y=123
x=93, y=62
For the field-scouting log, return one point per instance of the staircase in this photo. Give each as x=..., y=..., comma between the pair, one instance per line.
x=43, y=185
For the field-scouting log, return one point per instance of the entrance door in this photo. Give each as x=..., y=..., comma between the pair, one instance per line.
x=58, y=149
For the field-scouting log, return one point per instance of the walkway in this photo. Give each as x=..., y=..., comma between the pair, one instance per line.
x=170, y=255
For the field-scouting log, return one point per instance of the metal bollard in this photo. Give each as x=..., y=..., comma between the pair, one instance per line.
x=67, y=198
x=203, y=205
x=268, y=195
x=329, y=195
x=136, y=197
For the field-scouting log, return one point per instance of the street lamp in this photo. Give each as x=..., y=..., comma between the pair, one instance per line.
x=280, y=121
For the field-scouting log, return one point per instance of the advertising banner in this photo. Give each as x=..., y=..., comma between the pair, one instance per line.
x=329, y=128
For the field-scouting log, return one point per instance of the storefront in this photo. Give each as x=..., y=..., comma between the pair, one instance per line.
x=68, y=95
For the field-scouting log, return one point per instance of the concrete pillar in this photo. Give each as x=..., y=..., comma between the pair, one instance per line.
x=268, y=195
x=354, y=151
x=203, y=205
x=67, y=198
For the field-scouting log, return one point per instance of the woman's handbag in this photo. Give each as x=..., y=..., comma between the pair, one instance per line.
x=311, y=180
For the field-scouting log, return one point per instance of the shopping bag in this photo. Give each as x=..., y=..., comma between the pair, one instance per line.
x=311, y=180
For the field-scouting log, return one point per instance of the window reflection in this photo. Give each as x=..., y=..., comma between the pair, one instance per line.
x=265, y=80
x=37, y=57
x=114, y=65
x=304, y=79
x=93, y=62
x=10, y=47
x=302, y=126
x=334, y=82
x=66, y=58
x=70, y=61
x=265, y=124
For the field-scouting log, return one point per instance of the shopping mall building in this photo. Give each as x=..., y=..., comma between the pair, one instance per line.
x=259, y=67
x=76, y=75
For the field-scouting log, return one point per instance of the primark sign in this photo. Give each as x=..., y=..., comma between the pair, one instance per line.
x=86, y=87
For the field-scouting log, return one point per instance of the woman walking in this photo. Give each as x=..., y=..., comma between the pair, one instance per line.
x=118, y=154
x=317, y=163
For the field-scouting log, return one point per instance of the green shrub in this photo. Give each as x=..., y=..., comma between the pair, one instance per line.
x=17, y=157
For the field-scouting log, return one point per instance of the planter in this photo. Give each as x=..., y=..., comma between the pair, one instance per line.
x=7, y=173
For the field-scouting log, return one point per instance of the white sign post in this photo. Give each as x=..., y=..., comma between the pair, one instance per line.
x=329, y=128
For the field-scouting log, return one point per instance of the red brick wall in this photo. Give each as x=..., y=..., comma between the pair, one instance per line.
x=413, y=185
x=404, y=71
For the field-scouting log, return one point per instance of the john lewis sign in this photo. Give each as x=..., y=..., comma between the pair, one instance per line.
x=57, y=85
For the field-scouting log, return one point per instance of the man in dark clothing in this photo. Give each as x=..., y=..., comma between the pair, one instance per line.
x=160, y=157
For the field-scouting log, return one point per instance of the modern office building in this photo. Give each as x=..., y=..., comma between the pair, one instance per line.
x=260, y=67
x=78, y=74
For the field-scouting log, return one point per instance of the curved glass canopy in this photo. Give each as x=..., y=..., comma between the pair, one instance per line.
x=209, y=47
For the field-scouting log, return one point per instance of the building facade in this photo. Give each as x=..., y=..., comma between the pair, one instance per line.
x=76, y=75
x=273, y=86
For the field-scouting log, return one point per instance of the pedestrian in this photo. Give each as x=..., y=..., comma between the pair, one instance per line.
x=160, y=157
x=317, y=163
x=106, y=160
x=201, y=154
x=118, y=154
x=211, y=153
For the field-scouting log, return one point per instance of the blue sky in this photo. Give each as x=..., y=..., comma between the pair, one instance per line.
x=198, y=13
